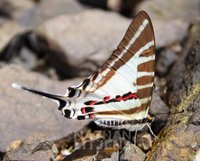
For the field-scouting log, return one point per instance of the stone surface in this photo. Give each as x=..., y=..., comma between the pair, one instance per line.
x=131, y=152
x=166, y=34
x=166, y=59
x=159, y=111
x=107, y=150
x=180, y=138
x=170, y=27
x=23, y=114
x=48, y=9
x=7, y=31
x=145, y=141
x=185, y=72
x=83, y=35
x=30, y=13
x=170, y=10
x=28, y=149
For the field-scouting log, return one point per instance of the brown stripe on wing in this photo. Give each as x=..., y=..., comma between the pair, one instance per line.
x=145, y=80
x=147, y=66
x=125, y=112
x=104, y=79
x=145, y=92
x=149, y=52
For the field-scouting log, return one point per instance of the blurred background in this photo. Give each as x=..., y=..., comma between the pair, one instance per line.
x=50, y=45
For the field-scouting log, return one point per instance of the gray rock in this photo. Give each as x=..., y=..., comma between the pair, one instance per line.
x=8, y=29
x=179, y=83
x=15, y=9
x=83, y=35
x=171, y=19
x=158, y=108
x=48, y=9
x=132, y=153
x=100, y=149
x=30, y=13
x=174, y=31
x=108, y=151
x=145, y=141
x=171, y=10
x=23, y=114
x=35, y=147
x=166, y=59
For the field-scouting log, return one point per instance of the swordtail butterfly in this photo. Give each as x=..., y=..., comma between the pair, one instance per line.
x=119, y=93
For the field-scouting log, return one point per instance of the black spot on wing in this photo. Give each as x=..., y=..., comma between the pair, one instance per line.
x=85, y=83
x=89, y=109
x=62, y=104
x=72, y=92
x=81, y=117
x=67, y=113
x=112, y=100
x=127, y=94
x=94, y=76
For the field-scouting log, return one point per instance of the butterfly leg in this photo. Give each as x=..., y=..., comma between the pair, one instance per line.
x=135, y=137
x=151, y=130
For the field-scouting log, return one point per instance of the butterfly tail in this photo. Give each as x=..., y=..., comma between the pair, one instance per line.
x=54, y=97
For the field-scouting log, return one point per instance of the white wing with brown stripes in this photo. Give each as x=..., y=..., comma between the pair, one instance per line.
x=117, y=95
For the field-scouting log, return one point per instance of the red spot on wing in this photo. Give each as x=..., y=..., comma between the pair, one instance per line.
x=124, y=98
x=134, y=95
x=119, y=98
x=83, y=110
x=93, y=102
x=91, y=116
x=106, y=98
x=131, y=96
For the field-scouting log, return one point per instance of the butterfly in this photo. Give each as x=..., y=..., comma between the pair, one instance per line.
x=119, y=93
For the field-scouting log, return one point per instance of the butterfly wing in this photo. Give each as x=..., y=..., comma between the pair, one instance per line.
x=122, y=87
x=129, y=71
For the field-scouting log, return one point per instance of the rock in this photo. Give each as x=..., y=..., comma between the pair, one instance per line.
x=166, y=59
x=179, y=139
x=105, y=150
x=160, y=112
x=18, y=8
x=181, y=82
x=170, y=27
x=32, y=51
x=166, y=34
x=120, y=6
x=108, y=151
x=23, y=114
x=82, y=36
x=145, y=142
x=30, y=13
x=7, y=31
x=131, y=152
x=187, y=11
x=26, y=149
x=48, y=9
x=85, y=152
